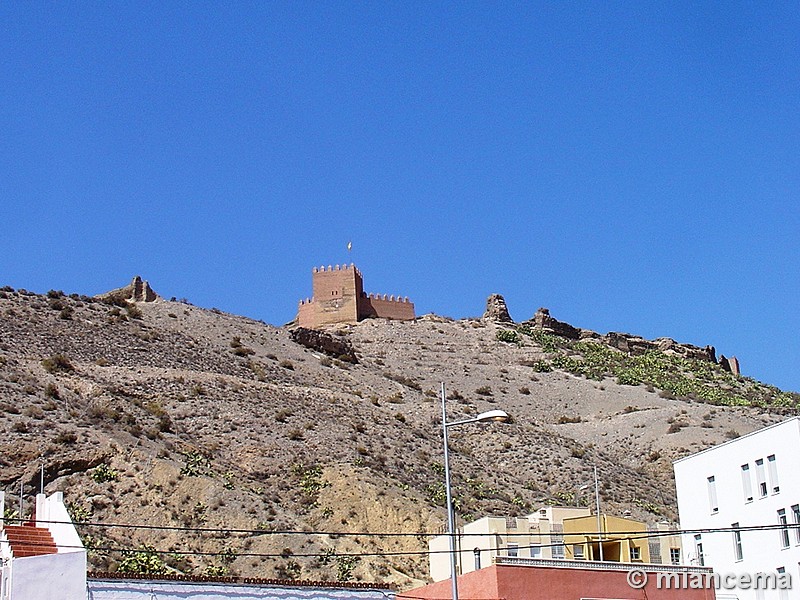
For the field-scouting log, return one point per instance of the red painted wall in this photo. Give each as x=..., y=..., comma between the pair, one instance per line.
x=508, y=582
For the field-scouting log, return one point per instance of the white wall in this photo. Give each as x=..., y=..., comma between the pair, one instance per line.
x=762, y=551
x=105, y=589
x=61, y=528
x=49, y=577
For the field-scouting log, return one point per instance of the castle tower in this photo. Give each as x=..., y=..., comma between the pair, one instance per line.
x=338, y=297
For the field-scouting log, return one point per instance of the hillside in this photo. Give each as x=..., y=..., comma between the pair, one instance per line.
x=182, y=418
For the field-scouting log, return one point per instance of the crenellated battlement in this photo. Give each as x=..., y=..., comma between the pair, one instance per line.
x=385, y=298
x=339, y=297
x=335, y=268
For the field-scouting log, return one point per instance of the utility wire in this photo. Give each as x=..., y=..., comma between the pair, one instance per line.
x=334, y=534
x=628, y=535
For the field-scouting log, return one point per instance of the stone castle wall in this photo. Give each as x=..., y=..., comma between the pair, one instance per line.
x=338, y=297
x=383, y=307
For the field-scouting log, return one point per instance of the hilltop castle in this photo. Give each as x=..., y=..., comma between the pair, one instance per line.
x=338, y=297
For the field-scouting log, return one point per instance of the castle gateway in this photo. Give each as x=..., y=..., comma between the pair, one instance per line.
x=338, y=297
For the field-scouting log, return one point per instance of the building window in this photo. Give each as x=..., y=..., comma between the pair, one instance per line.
x=747, y=488
x=698, y=550
x=796, y=515
x=772, y=469
x=513, y=550
x=761, y=477
x=675, y=556
x=636, y=553
x=557, y=541
x=577, y=551
x=536, y=552
x=712, y=495
x=784, y=528
x=559, y=551
x=737, y=542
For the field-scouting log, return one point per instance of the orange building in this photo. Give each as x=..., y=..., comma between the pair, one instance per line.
x=338, y=297
x=543, y=579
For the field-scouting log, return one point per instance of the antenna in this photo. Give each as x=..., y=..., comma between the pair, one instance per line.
x=41, y=480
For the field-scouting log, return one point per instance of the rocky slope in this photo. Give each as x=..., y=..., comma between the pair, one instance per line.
x=251, y=451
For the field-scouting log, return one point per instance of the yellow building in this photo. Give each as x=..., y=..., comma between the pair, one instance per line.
x=617, y=539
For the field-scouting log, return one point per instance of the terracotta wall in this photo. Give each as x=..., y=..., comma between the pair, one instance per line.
x=508, y=582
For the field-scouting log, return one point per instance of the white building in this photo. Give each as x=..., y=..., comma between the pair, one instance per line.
x=740, y=487
x=539, y=535
x=43, y=559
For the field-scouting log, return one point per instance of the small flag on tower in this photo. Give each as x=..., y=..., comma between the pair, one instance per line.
x=349, y=246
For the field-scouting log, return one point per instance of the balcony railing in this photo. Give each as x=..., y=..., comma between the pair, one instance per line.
x=596, y=565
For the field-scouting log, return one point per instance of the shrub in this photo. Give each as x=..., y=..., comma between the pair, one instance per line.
x=145, y=561
x=34, y=412
x=675, y=427
x=508, y=336
x=66, y=437
x=290, y=570
x=484, y=390
x=283, y=414
x=103, y=473
x=57, y=363
x=403, y=380
x=541, y=366
x=20, y=427
x=577, y=451
x=287, y=364
x=116, y=299
x=196, y=465
x=565, y=419
x=296, y=435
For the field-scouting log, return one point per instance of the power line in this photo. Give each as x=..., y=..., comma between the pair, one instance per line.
x=334, y=534
x=628, y=535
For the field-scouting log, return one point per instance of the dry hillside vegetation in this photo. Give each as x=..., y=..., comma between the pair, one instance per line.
x=169, y=415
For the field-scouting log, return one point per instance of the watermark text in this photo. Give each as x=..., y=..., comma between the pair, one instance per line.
x=673, y=580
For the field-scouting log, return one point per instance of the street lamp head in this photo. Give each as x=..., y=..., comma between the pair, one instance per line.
x=500, y=416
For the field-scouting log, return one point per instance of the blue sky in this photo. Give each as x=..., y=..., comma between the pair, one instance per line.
x=632, y=166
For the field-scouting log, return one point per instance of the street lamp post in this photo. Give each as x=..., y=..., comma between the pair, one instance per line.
x=492, y=415
x=597, y=502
